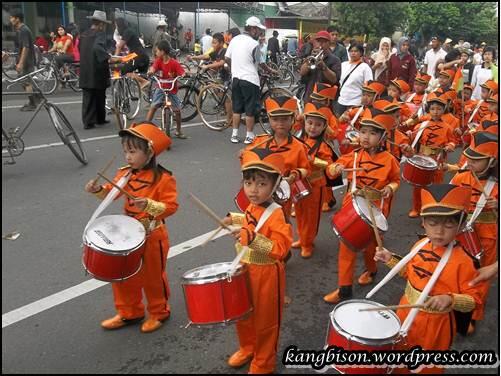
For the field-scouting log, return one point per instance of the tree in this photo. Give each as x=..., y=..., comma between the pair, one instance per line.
x=474, y=21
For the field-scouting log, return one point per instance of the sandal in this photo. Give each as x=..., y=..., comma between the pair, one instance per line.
x=180, y=135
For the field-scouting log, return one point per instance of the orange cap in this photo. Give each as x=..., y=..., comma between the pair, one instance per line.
x=280, y=106
x=468, y=86
x=378, y=119
x=156, y=138
x=450, y=73
x=444, y=199
x=401, y=85
x=374, y=87
x=423, y=78
x=438, y=98
x=491, y=85
x=310, y=109
x=323, y=91
x=264, y=160
x=483, y=145
x=493, y=99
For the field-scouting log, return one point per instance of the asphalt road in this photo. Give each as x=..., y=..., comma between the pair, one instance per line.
x=43, y=199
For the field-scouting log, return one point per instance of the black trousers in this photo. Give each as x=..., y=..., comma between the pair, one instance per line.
x=93, y=106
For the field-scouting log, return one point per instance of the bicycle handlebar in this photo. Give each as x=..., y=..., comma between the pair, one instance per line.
x=24, y=77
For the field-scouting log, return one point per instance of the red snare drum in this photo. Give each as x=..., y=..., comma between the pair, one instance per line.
x=371, y=330
x=353, y=225
x=300, y=189
x=113, y=247
x=420, y=170
x=213, y=298
x=283, y=193
x=471, y=242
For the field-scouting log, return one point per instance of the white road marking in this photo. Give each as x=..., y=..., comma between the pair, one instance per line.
x=58, y=103
x=90, y=285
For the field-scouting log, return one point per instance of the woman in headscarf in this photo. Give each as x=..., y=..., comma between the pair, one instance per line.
x=402, y=65
x=381, y=61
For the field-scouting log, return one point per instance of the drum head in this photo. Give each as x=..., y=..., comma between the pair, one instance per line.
x=424, y=162
x=372, y=325
x=115, y=233
x=209, y=272
x=284, y=191
x=362, y=209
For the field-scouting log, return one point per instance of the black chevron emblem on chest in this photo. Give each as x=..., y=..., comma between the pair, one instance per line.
x=137, y=185
x=429, y=256
x=370, y=165
x=420, y=272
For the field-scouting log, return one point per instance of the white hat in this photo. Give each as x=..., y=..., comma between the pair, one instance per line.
x=254, y=21
x=161, y=23
x=99, y=15
x=448, y=40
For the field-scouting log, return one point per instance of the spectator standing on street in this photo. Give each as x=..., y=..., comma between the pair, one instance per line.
x=432, y=56
x=381, y=61
x=326, y=70
x=402, y=65
x=94, y=71
x=274, y=46
x=26, y=57
x=159, y=35
x=243, y=57
x=307, y=47
x=188, y=37
x=206, y=41
x=354, y=73
x=484, y=72
x=292, y=46
x=338, y=48
x=230, y=34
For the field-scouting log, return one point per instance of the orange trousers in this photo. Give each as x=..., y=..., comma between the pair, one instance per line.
x=258, y=334
x=328, y=196
x=416, y=191
x=347, y=262
x=152, y=278
x=308, y=211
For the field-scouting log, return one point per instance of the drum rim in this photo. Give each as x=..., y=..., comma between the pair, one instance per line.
x=112, y=279
x=225, y=322
x=410, y=161
x=414, y=184
x=241, y=269
x=124, y=252
x=362, y=340
x=363, y=215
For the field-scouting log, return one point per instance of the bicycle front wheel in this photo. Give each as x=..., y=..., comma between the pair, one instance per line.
x=166, y=120
x=262, y=117
x=66, y=132
x=132, y=97
x=211, y=105
x=74, y=80
x=188, y=97
x=46, y=80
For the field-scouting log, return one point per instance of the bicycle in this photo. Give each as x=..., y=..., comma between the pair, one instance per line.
x=126, y=98
x=53, y=77
x=12, y=141
x=167, y=114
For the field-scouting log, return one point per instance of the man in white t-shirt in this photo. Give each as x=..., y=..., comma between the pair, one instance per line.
x=206, y=41
x=432, y=56
x=243, y=56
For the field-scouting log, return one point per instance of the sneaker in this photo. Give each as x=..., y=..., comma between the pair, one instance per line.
x=234, y=139
x=28, y=107
x=249, y=140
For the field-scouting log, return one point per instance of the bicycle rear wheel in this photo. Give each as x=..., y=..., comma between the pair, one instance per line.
x=46, y=80
x=188, y=97
x=132, y=97
x=74, y=80
x=66, y=132
x=211, y=106
x=166, y=120
x=262, y=117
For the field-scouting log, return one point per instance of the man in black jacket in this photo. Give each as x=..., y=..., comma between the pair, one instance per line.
x=274, y=46
x=94, y=71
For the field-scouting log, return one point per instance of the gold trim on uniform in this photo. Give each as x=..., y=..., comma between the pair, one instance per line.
x=393, y=262
x=320, y=163
x=303, y=172
x=393, y=187
x=370, y=194
x=254, y=257
x=428, y=151
x=413, y=295
x=485, y=217
x=146, y=222
x=154, y=208
x=463, y=303
x=237, y=219
x=101, y=194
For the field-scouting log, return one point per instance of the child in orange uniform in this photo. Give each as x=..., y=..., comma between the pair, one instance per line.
x=434, y=326
x=490, y=122
x=489, y=88
x=482, y=157
x=155, y=189
x=382, y=173
x=309, y=208
x=281, y=112
x=399, y=90
x=258, y=334
x=433, y=138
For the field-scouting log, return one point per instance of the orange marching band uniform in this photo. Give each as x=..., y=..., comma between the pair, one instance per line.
x=381, y=170
x=259, y=333
x=162, y=202
x=484, y=146
x=432, y=329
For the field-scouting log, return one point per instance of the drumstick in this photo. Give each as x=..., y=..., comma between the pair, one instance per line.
x=103, y=171
x=373, y=223
x=117, y=187
x=217, y=231
x=209, y=211
x=393, y=307
x=483, y=189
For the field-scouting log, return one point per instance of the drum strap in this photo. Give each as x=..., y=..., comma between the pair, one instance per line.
x=108, y=199
x=475, y=110
x=419, y=133
x=266, y=215
x=357, y=115
x=411, y=97
x=354, y=177
x=423, y=105
x=481, y=201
